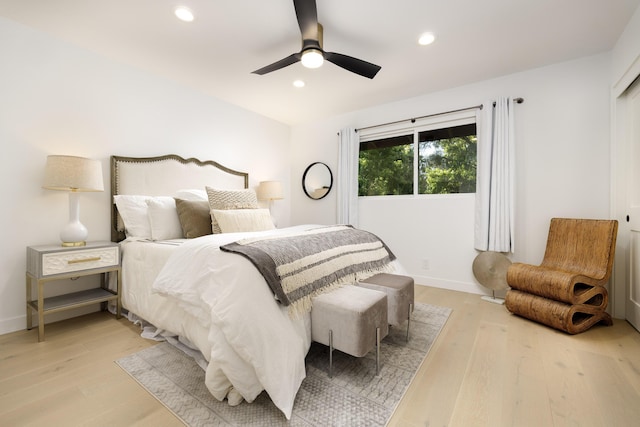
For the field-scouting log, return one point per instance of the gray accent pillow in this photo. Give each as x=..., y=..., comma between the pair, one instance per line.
x=195, y=218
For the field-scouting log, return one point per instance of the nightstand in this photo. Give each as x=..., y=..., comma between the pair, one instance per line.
x=47, y=263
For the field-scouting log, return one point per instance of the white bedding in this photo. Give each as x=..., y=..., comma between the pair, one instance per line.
x=220, y=303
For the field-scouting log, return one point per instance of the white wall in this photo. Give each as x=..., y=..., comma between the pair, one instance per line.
x=625, y=58
x=59, y=99
x=562, y=137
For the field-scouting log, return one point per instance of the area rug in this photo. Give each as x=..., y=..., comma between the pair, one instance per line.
x=354, y=396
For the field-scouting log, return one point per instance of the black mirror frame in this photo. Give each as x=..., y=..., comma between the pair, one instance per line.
x=304, y=177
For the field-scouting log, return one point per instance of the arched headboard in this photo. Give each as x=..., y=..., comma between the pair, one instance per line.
x=164, y=176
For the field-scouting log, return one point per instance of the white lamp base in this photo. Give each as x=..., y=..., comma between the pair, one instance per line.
x=74, y=233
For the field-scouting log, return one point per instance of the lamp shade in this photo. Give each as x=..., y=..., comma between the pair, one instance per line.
x=71, y=173
x=270, y=190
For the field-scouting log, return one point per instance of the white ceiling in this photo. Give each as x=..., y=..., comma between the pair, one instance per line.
x=476, y=40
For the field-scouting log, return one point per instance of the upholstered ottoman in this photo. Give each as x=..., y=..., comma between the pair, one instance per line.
x=400, y=296
x=351, y=319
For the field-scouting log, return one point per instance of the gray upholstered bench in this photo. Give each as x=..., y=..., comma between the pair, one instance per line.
x=400, y=296
x=351, y=319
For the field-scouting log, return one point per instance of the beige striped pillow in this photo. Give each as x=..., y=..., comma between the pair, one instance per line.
x=229, y=199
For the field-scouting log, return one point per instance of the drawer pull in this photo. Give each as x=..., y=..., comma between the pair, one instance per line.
x=77, y=261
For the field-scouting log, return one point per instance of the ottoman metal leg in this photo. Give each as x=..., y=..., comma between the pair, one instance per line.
x=378, y=351
x=409, y=320
x=330, y=353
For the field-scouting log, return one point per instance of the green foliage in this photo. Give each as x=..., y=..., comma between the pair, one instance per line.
x=446, y=166
x=386, y=171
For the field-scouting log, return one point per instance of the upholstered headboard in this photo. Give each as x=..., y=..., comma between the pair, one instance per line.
x=164, y=176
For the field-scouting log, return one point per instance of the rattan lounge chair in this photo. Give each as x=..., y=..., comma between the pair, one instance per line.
x=567, y=290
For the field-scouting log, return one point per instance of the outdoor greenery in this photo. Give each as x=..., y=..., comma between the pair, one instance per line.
x=387, y=170
x=446, y=166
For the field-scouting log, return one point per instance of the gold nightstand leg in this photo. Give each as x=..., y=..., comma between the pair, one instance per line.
x=29, y=312
x=119, y=289
x=40, y=311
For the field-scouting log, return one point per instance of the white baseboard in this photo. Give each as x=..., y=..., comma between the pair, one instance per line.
x=19, y=323
x=13, y=324
x=453, y=285
x=471, y=288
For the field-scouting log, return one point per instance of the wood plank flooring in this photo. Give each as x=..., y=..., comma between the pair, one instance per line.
x=487, y=368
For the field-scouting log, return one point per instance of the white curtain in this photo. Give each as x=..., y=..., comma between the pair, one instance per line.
x=494, y=216
x=347, y=189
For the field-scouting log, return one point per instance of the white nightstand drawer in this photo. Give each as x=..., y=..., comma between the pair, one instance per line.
x=79, y=260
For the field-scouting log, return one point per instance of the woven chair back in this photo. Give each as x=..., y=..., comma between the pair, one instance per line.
x=582, y=246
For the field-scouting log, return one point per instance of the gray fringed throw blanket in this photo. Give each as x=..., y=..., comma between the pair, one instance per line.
x=300, y=266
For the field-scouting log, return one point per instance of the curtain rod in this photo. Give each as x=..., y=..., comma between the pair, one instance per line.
x=413, y=119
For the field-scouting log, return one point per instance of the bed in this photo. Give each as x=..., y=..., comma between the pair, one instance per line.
x=214, y=301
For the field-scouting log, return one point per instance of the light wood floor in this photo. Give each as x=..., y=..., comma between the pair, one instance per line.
x=487, y=368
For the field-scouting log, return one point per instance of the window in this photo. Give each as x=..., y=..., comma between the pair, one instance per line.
x=447, y=160
x=429, y=158
x=385, y=166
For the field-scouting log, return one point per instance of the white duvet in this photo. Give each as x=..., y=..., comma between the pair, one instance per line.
x=253, y=343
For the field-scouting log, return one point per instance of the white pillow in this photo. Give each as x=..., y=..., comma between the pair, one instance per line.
x=163, y=218
x=242, y=220
x=192, y=194
x=133, y=210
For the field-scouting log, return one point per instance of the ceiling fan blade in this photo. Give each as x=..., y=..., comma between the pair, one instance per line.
x=355, y=65
x=307, y=15
x=285, y=62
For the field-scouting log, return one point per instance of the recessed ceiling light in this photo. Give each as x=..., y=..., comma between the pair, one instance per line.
x=184, y=14
x=426, y=38
x=298, y=83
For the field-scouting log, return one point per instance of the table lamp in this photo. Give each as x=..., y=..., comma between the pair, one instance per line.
x=73, y=174
x=270, y=190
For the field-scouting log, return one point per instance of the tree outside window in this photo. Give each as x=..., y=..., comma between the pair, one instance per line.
x=446, y=160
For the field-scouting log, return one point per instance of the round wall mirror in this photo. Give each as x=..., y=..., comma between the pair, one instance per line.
x=317, y=180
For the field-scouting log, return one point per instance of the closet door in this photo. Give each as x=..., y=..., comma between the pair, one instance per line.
x=633, y=287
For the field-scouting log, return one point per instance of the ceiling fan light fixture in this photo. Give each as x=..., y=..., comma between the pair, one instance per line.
x=312, y=58
x=311, y=53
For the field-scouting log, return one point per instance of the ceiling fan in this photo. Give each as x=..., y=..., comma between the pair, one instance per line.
x=312, y=55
